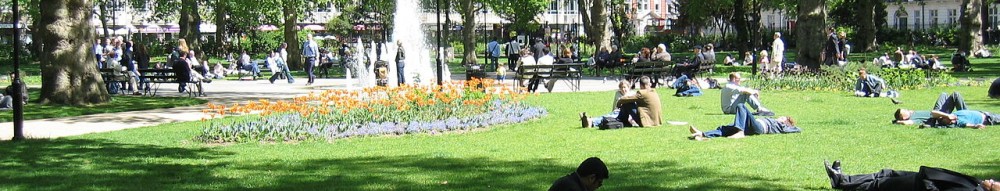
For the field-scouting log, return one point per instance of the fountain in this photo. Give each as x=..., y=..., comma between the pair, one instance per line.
x=408, y=28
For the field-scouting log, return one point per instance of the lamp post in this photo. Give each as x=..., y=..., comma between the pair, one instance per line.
x=923, y=12
x=440, y=53
x=16, y=82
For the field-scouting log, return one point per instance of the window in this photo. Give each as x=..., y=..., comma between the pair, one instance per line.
x=902, y=20
x=918, y=22
x=324, y=7
x=643, y=5
x=553, y=7
x=993, y=16
x=952, y=16
x=934, y=18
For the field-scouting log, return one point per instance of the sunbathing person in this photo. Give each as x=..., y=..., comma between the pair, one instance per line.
x=927, y=178
x=963, y=118
x=733, y=94
x=945, y=103
x=746, y=125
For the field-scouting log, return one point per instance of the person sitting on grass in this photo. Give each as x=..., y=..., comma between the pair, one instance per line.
x=644, y=106
x=945, y=103
x=687, y=86
x=982, y=52
x=624, y=89
x=745, y=125
x=927, y=178
x=963, y=118
x=589, y=176
x=868, y=85
x=733, y=95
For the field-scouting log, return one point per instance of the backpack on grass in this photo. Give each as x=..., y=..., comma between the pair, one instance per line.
x=610, y=123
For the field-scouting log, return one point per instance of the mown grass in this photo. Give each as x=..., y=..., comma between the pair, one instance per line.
x=527, y=156
x=33, y=110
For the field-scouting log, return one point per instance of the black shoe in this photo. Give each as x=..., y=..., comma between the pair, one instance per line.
x=272, y=80
x=207, y=81
x=583, y=120
x=833, y=172
x=896, y=101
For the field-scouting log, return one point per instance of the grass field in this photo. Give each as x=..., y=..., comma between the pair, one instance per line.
x=527, y=156
x=118, y=103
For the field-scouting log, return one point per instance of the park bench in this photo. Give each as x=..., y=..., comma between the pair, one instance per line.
x=572, y=72
x=327, y=64
x=113, y=79
x=653, y=69
x=153, y=78
x=261, y=64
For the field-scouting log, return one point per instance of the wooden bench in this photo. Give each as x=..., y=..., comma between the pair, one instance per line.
x=572, y=72
x=156, y=77
x=653, y=69
x=112, y=76
x=261, y=64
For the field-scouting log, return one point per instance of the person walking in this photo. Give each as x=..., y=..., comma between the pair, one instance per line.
x=310, y=50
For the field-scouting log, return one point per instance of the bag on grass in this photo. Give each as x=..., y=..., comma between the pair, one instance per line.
x=610, y=123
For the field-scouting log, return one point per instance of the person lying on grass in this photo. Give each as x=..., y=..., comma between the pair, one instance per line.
x=963, y=118
x=945, y=103
x=745, y=125
x=927, y=178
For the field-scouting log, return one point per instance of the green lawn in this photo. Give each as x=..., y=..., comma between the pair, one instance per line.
x=527, y=156
x=118, y=104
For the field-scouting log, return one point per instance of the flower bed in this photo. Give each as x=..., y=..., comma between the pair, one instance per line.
x=333, y=114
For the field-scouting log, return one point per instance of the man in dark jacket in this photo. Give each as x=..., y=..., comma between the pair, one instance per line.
x=831, y=51
x=538, y=47
x=928, y=178
x=588, y=177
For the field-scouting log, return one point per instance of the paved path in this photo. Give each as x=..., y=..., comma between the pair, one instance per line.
x=218, y=92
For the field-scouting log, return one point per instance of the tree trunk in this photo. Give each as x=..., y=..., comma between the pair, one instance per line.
x=809, y=30
x=67, y=63
x=595, y=22
x=969, y=34
x=104, y=23
x=743, y=31
x=290, y=10
x=866, y=40
x=220, y=24
x=467, y=8
x=36, y=40
x=189, y=23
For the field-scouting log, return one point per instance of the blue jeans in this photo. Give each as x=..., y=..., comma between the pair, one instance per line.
x=309, y=69
x=681, y=81
x=628, y=110
x=742, y=100
x=399, y=72
x=252, y=67
x=744, y=122
x=284, y=71
x=690, y=91
x=949, y=103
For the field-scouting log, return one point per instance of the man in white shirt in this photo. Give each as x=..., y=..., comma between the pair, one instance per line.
x=98, y=51
x=733, y=95
x=248, y=66
x=545, y=59
x=777, y=53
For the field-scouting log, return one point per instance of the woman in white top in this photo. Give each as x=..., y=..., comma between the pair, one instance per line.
x=527, y=58
x=624, y=89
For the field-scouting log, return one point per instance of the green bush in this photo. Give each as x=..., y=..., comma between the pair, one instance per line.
x=836, y=78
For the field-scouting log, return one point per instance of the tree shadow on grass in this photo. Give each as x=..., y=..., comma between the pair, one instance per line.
x=442, y=173
x=73, y=164
x=990, y=169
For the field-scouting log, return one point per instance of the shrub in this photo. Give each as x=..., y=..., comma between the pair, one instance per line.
x=837, y=78
x=373, y=111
